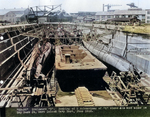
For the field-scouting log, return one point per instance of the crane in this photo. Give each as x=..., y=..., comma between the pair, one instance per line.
x=40, y=11
x=109, y=6
x=132, y=5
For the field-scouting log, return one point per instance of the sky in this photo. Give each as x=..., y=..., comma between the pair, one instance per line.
x=73, y=6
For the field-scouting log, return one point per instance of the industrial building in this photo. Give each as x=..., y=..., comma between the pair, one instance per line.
x=130, y=13
x=83, y=16
x=148, y=15
x=60, y=16
x=142, y=15
x=85, y=13
x=104, y=15
x=13, y=15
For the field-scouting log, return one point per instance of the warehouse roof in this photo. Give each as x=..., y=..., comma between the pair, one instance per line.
x=17, y=13
x=4, y=11
x=130, y=12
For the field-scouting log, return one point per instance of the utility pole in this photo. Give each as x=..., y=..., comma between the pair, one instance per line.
x=103, y=7
x=126, y=49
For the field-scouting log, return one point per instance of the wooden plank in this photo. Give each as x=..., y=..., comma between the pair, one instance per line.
x=84, y=98
x=12, y=88
x=39, y=91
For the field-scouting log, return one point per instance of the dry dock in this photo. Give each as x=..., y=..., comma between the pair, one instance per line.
x=48, y=65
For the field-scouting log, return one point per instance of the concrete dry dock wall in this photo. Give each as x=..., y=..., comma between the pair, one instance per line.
x=141, y=63
x=132, y=41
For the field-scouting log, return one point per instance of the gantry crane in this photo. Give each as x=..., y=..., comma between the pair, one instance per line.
x=40, y=11
x=132, y=5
